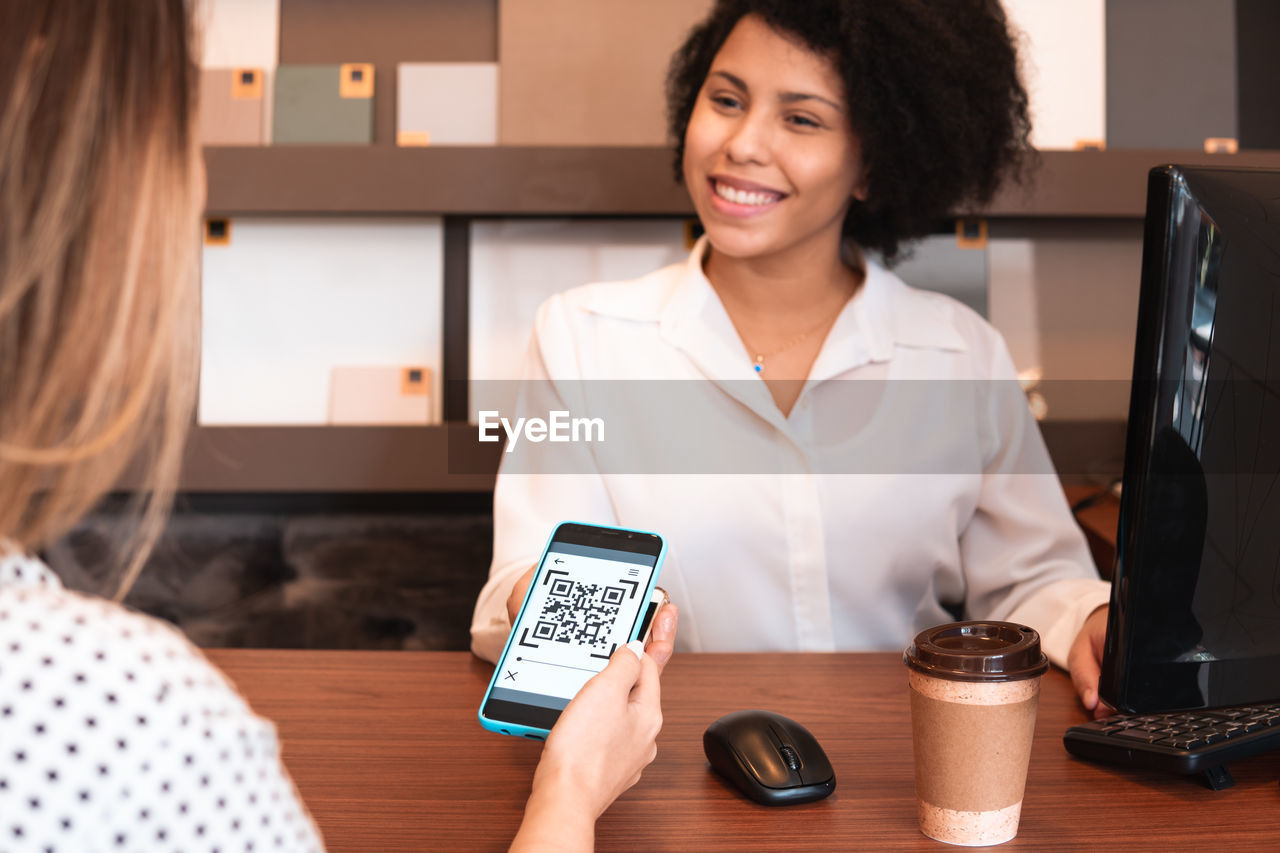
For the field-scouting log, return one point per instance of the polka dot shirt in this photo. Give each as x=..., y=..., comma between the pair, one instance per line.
x=117, y=735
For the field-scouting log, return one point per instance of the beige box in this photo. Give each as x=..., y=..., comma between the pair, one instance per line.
x=368, y=396
x=236, y=33
x=447, y=103
x=588, y=72
x=231, y=106
x=1062, y=54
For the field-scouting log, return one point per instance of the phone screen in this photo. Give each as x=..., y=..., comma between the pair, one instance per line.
x=591, y=590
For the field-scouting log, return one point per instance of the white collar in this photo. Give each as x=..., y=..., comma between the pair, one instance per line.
x=883, y=315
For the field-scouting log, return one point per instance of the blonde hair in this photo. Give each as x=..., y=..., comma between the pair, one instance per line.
x=100, y=197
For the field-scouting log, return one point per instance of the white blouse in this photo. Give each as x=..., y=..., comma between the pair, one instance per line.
x=909, y=480
x=117, y=734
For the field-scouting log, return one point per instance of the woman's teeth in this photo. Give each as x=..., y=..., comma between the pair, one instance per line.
x=743, y=196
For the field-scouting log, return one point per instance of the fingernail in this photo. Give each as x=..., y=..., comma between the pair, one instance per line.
x=637, y=647
x=1090, y=700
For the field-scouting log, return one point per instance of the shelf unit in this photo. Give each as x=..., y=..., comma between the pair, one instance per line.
x=506, y=181
x=293, y=459
x=443, y=181
x=1083, y=188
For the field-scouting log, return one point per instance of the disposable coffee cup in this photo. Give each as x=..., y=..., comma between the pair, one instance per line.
x=974, y=691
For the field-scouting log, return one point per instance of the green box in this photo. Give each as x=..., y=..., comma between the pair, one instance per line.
x=315, y=104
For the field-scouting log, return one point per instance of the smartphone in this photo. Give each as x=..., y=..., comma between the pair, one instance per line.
x=589, y=595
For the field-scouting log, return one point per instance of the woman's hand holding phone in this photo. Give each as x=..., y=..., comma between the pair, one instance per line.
x=662, y=637
x=607, y=733
x=597, y=749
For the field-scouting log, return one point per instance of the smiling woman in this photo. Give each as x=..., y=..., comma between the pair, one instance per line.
x=773, y=166
x=889, y=474
x=770, y=157
x=930, y=89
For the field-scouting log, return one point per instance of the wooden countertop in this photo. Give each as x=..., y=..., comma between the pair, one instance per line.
x=387, y=753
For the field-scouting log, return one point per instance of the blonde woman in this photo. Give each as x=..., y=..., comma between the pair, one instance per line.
x=115, y=733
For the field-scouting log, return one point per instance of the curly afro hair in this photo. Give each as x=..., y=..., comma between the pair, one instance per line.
x=933, y=94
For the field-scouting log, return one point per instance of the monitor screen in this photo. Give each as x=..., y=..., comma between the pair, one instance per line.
x=1195, y=599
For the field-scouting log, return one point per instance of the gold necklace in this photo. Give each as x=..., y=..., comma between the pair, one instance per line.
x=759, y=357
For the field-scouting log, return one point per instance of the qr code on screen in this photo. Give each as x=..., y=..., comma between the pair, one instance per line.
x=576, y=612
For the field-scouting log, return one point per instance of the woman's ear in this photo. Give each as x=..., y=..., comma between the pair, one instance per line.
x=860, y=188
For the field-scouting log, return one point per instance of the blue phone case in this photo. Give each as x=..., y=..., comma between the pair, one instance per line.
x=515, y=730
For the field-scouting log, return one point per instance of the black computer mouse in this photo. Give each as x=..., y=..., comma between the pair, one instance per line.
x=770, y=758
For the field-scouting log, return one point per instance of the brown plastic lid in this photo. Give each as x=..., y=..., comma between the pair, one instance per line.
x=977, y=651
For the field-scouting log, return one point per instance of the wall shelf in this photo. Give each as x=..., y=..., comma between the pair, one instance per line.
x=480, y=181
x=443, y=458
x=607, y=181
x=1105, y=184
x=336, y=459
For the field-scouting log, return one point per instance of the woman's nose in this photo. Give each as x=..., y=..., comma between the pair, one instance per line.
x=748, y=142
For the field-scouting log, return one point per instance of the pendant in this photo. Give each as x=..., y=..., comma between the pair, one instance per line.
x=759, y=365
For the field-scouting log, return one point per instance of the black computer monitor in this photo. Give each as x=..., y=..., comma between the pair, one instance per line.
x=1195, y=598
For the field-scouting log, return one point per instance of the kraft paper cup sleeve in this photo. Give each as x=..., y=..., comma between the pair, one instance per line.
x=973, y=757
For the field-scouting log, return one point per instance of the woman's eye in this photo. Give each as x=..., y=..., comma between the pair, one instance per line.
x=727, y=101
x=804, y=121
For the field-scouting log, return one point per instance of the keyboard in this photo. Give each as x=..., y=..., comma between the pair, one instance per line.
x=1181, y=741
